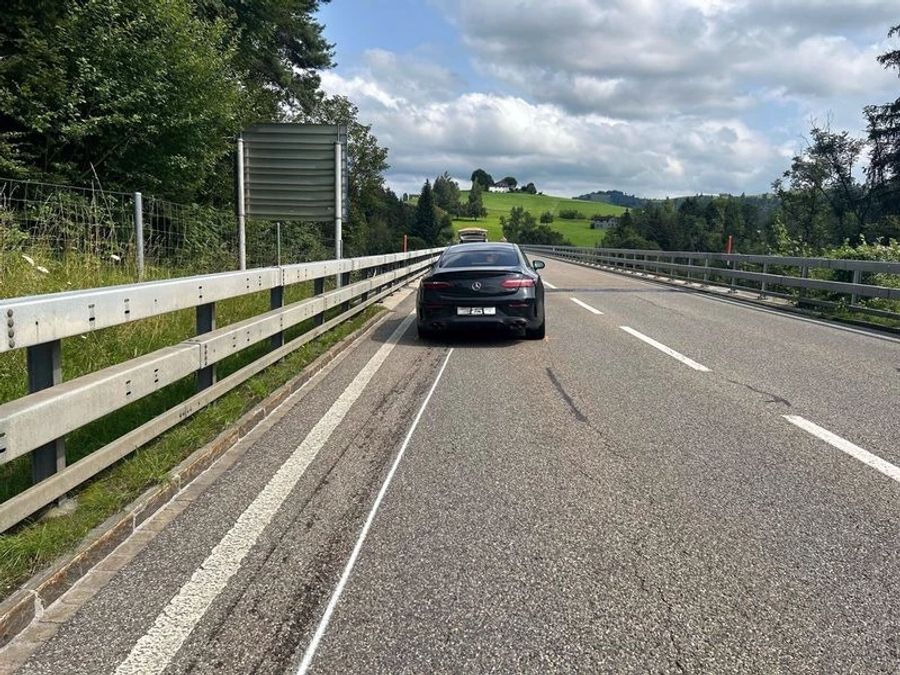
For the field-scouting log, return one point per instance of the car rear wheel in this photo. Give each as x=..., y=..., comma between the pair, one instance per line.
x=537, y=333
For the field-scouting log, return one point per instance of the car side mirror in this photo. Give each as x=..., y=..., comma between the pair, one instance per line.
x=538, y=264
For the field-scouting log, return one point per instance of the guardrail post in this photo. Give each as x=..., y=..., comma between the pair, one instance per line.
x=804, y=274
x=44, y=371
x=857, y=279
x=345, y=281
x=690, y=274
x=206, y=322
x=706, y=269
x=318, y=289
x=732, y=289
x=764, y=286
x=276, y=301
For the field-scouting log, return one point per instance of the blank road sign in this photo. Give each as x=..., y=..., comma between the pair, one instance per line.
x=289, y=171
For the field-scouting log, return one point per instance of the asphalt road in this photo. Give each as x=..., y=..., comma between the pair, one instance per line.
x=692, y=494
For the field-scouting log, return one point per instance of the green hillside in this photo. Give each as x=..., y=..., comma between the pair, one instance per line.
x=579, y=232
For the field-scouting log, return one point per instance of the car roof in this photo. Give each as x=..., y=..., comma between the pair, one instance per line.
x=482, y=244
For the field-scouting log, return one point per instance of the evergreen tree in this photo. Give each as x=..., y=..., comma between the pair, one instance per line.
x=475, y=207
x=446, y=194
x=426, y=225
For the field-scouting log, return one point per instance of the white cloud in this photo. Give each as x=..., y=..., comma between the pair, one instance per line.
x=560, y=152
x=642, y=58
x=652, y=96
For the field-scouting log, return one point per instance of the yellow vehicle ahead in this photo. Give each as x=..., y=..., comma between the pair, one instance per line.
x=470, y=234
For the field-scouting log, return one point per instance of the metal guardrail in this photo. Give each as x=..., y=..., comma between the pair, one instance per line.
x=728, y=269
x=37, y=423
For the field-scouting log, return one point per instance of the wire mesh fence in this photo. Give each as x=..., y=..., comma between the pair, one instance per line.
x=51, y=225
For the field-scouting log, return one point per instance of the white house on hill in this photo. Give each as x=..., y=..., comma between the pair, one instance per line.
x=500, y=187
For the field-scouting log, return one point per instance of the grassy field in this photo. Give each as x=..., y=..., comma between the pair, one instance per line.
x=27, y=548
x=579, y=232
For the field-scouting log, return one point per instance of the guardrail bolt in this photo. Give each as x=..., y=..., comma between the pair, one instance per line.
x=12, y=344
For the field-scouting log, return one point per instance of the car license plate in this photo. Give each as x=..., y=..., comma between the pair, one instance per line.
x=476, y=311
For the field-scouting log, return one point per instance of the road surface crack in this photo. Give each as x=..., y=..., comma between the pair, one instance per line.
x=773, y=398
x=656, y=590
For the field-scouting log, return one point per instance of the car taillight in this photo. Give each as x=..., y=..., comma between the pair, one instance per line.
x=518, y=283
x=435, y=285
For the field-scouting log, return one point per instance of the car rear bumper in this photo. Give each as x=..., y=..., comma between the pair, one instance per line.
x=515, y=315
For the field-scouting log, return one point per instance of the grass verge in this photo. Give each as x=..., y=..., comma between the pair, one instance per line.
x=577, y=231
x=33, y=546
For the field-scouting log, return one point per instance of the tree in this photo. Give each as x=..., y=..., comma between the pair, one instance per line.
x=377, y=217
x=521, y=227
x=280, y=49
x=475, y=206
x=138, y=93
x=547, y=217
x=426, y=225
x=822, y=201
x=446, y=194
x=511, y=181
x=483, y=178
x=530, y=189
x=884, y=137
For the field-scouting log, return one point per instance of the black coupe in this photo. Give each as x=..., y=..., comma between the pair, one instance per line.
x=482, y=284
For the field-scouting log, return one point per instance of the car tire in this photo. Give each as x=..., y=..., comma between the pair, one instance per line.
x=424, y=333
x=537, y=333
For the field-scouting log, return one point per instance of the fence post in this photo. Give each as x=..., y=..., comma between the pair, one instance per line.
x=278, y=243
x=733, y=268
x=764, y=286
x=857, y=279
x=44, y=371
x=706, y=270
x=206, y=322
x=139, y=233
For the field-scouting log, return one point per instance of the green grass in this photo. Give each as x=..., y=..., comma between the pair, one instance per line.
x=579, y=232
x=33, y=545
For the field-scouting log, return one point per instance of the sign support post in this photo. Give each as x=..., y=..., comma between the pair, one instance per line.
x=241, y=212
x=338, y=206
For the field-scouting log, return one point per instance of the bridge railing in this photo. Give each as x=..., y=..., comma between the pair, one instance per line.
x=793, y=278
x=37, y=424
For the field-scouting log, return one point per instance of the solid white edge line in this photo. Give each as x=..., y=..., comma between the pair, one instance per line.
x=666, y=350
x=593, y=310
x=864, y=456
x=155, y=650
x=348, y=569
x=548, y=284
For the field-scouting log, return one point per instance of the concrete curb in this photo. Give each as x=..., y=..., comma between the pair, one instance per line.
x=28, y=603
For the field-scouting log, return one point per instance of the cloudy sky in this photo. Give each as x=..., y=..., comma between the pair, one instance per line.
x=654, y=97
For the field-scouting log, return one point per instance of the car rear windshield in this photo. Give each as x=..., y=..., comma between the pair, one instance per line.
x=486, y=257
